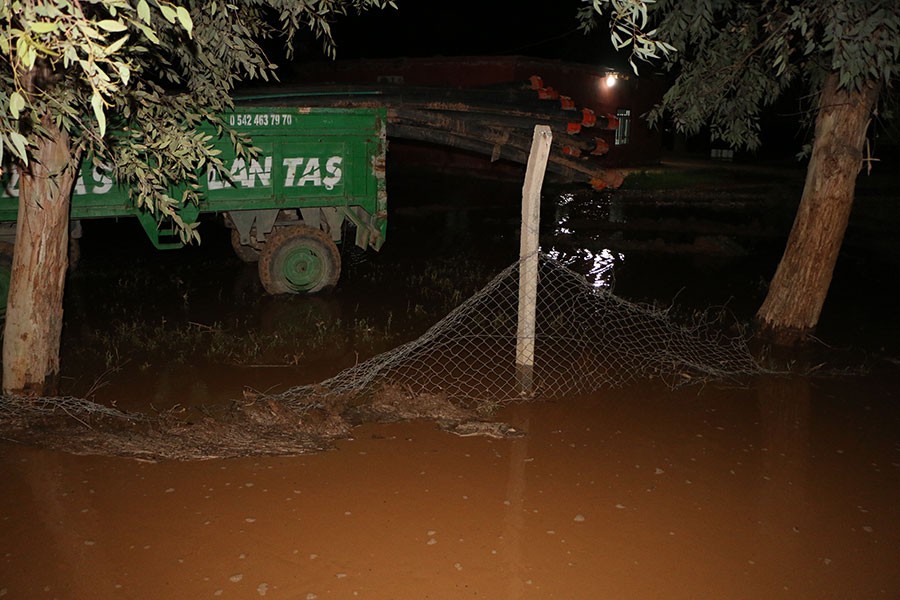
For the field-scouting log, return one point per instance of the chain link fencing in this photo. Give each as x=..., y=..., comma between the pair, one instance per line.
x=586, y=338
x=458, y=373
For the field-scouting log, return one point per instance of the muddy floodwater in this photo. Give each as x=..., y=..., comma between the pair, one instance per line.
x=780, y=486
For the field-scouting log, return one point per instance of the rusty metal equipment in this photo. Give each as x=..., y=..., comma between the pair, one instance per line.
x=496, y=121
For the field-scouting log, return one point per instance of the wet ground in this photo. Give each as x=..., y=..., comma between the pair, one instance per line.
x=782, y=487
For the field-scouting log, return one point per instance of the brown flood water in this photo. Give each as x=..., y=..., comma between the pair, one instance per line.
x=786, y=489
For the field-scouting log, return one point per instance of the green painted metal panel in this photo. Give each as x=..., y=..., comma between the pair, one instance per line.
x=308, y=158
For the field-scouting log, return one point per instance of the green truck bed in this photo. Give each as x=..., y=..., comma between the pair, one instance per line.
x=318, y=169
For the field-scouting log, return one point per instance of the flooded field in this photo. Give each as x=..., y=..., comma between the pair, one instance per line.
x=776, y=487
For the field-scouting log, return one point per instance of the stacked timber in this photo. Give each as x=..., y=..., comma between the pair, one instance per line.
x=497, y=121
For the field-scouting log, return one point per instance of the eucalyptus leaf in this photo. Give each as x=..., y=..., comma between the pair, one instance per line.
x=112, y=26
x=99, y=114
x=19, y=144
x=16, y=104
x=43, y=26
x=124, y=73
x=168, y=12
x=184, y=17
x=143, y=11
x=116, y=45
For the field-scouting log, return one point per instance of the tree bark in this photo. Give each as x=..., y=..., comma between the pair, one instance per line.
x=34, y=310
x=797, y=293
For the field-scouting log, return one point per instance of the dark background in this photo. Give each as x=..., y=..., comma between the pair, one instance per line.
x=471, y=27
x=543, y=29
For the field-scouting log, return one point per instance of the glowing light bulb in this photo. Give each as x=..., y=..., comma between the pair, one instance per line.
x=610, y=80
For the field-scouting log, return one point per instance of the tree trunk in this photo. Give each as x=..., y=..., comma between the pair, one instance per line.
x=794, y=302
x=34, y=310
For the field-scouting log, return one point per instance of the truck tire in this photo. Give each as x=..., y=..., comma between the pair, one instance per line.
x=248, y=254
x=299, y=260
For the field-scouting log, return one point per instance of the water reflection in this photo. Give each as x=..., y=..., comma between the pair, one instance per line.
x=572, y=209
x=597, y=265
x=583, y=204
x=514, y=542
x=784, y=407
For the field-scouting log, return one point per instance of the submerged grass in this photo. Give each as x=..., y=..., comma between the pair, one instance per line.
x=239, y=342
x=152, y=321
x=662, y=179
x=708, y=174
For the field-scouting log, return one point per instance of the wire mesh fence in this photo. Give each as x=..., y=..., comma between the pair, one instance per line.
x=585, y=338
x=463, y=368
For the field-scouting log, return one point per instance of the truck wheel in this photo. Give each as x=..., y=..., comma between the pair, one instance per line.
x=299, y=260
x=248, y=254
x=6, y=251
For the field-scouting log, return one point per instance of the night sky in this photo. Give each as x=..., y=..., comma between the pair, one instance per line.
x=472, y=27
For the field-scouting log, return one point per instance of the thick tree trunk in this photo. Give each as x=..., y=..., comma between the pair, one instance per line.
x=797, y=293
x=34, y=310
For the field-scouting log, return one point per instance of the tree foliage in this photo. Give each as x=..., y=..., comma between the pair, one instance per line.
x=732, y=58
x=147, y=70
